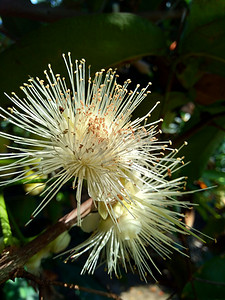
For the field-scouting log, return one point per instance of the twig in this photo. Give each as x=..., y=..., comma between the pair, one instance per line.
x=173, y=66
x=88, y=290
x=181, y=27
x=209, y=281
x=14, y=258
x=217, y=126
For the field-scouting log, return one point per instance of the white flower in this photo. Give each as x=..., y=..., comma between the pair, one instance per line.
x=81, y=131
x=148, y=222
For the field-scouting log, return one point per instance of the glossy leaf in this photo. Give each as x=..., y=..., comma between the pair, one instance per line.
x=208, y=281
x=5, y=225
x=203, y=12
x=103, y=40
x=202, y=140
x=205, y=29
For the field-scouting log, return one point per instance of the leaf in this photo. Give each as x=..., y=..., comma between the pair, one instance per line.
x=19, y=289
x=208, y=281
x=204, y=34
x=204, y=140
x=5, y=225
x=202, y=13
x=215, y=227
x=206, y=93
x=206, y=41
x=166, y=107
x=216, y=175
x=215, y=108
x=189, y=72
x=20, y=205
x=103, y=40
x=173, y=101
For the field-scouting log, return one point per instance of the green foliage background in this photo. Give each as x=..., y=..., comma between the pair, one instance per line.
x=188, y=78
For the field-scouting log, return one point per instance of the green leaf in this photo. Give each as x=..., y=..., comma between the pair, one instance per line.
x=173, y=101
x=203, y=141
x=215, y=227
x=206, y=41
x=190, y=72
x=204, y=34
x=218, y=176
x=19, y=289
x=203, y=12
x=103, y=40
x=20, y=205
x=5, y=225
x=208, y=282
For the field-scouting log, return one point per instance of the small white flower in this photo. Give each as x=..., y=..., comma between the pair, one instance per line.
x=81, y=131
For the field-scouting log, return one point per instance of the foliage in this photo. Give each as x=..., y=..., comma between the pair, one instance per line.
x=179, y=46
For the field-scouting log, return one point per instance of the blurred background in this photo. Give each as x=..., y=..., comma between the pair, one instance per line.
x=178, y=45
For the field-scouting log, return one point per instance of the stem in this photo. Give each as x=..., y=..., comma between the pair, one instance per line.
x=6, y=228
x=173, y=65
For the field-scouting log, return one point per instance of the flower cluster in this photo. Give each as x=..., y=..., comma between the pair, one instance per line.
x=81, y=130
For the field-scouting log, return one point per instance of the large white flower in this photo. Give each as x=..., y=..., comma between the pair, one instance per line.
x=81, y=130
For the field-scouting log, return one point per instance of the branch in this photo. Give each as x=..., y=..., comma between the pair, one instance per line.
x=209, y=281
x=14, y=258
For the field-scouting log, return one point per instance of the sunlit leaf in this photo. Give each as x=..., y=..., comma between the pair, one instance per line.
x=103, y=40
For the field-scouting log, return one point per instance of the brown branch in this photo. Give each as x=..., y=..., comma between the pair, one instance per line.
x=15, y=258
